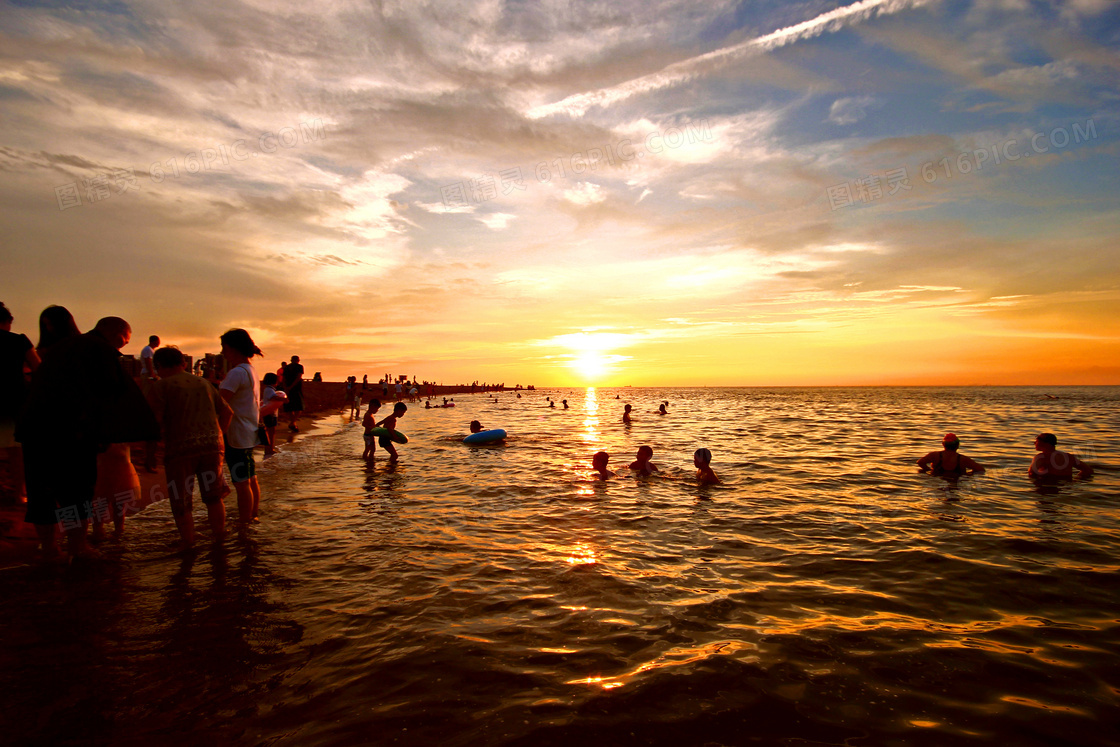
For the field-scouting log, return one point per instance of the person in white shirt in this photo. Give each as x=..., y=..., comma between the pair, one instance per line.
x=241, y=391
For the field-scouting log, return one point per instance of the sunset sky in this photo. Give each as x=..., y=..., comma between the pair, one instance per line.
x=568, y=193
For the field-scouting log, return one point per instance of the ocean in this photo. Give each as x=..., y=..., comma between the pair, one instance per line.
x=826, y=592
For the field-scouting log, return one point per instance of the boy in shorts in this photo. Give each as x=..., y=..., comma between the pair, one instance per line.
x=192, y=417
x=368, y=423
x=390, y=424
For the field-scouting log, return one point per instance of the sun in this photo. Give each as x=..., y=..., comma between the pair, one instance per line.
x=590, y=365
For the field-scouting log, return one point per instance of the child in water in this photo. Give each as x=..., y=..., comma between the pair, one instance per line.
x=390, y=424
x=368, y=424
x=703, y=461
x=476, y=427
x=642, y=465
x=626, y=413
x=599, y=463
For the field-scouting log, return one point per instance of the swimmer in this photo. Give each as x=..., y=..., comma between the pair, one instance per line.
x=390, y=424
x=476, y=427
x=599, y=464
x=642, y=465
x=551, y=403
x=703, y=461
x=565, y=403
x=368, y=424
x=1050, y=462
x=626, y=414
x=661, y=410
x=427, y=404
x=948, y=462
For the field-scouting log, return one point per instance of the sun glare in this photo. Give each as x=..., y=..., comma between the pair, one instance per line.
x=591, y=366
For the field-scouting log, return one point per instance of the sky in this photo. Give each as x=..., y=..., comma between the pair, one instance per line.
x=655, y=193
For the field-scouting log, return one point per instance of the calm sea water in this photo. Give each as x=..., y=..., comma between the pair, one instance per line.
x=826, y=593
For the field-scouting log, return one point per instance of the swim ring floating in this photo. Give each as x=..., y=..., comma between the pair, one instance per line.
x=485, y=437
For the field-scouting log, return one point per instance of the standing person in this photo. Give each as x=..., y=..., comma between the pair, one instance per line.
x=41, y=431
x=271, y=402
x=16, y=353
x=399, y=390
x=1050, y=462
x=948, y=462
x=241, y=391
x=148, y=375
x=293, y=385
x=626, y=413
x=126, y=417
x=369, y=423
x=147, y=367
x=193, y=415
x=81, y=402
x=390, y=424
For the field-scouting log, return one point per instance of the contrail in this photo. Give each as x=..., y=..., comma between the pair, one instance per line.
x=679, y=72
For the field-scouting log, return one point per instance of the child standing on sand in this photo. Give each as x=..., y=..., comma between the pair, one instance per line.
x=642, y=465
x=390, y=424
x=368, y=423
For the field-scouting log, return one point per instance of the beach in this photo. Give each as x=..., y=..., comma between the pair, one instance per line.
x=825, y=593
x=18, y=541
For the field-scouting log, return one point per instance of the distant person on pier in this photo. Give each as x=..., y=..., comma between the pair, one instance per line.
x=948, y=462
x=1049, y=462
x=293, y=386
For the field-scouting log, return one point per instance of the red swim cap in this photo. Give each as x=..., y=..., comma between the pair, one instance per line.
x=950, y=438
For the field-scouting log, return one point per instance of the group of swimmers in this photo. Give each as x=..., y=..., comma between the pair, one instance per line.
x=1047, y=463
x=643, y=465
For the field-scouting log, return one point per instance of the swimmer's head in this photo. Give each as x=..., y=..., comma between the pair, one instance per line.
x=399, y=408
x=645, y=452
x=1047, y=438
x=475, y=426
x=599, y=461
x=951, y=442
x=628, y=408
x=702, y=457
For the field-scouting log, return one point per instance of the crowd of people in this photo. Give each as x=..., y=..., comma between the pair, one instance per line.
x=68, y=426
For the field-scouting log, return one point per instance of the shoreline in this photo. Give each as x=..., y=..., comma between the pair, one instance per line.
x=19, y=541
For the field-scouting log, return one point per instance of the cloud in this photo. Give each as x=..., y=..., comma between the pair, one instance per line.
x=681, y=72
x=850, y=110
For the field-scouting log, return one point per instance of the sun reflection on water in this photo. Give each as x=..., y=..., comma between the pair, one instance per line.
x=590, y=433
